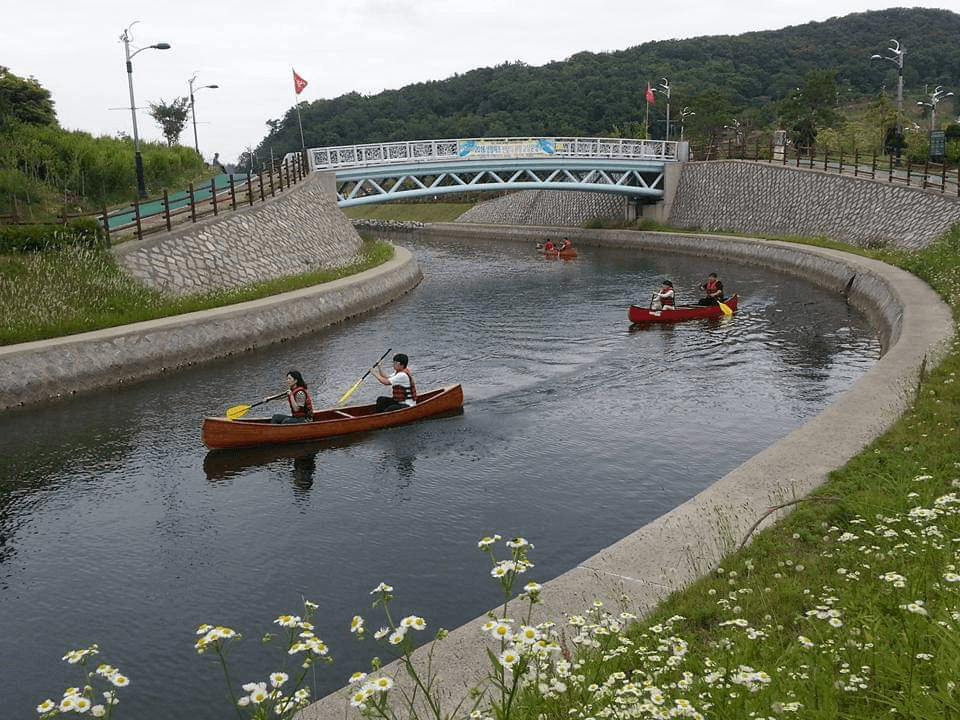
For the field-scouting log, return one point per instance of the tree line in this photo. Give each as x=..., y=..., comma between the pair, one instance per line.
x=796, y=78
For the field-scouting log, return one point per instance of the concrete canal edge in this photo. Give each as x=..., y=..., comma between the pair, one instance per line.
x=39, y=371
x=674, y=550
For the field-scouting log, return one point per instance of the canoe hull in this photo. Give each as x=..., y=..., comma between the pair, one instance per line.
x=639, y=314
x=219, y=433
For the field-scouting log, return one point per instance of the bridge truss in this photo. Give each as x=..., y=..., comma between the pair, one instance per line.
x=387, y=171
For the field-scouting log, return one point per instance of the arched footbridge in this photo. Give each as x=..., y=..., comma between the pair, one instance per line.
x=379, y=172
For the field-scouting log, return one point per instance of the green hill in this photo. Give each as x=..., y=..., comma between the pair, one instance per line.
x=718, y=78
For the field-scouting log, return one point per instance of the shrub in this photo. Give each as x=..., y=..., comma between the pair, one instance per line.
x=82, y=232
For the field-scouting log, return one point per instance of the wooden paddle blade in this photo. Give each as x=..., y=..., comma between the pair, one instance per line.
x=351, y=391
x=725, y=309
x=237, y=411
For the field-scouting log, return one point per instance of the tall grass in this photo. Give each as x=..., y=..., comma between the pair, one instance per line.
x=45, y=170
x=55, y=293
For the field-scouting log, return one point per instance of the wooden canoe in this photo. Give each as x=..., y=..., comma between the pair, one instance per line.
x=566, y=254
x=639, y=314
x=219, y=433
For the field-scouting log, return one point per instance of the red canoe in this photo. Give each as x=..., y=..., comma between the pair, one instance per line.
x=222, y=432
x=639, y=314
x=568, y=253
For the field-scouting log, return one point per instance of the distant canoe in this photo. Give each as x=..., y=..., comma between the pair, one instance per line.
x=566, y=254
x=639, y=314
x=219, y=433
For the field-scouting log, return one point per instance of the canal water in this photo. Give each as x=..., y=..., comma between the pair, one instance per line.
x=118, y=528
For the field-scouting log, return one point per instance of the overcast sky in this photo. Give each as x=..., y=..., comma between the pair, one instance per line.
x=249, y=49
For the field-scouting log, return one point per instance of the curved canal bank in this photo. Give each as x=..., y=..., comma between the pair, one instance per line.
x=678, y=547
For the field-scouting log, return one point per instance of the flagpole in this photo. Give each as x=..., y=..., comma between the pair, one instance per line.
x=298, y=85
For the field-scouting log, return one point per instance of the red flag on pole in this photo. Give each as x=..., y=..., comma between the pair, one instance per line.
x=650, y=95
x=299, y=83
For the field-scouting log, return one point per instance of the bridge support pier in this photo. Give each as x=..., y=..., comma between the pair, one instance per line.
x=660, y=211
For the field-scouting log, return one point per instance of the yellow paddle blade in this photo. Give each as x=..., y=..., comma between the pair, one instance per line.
x=725, y=309
x=237, y=411
x=351, y=391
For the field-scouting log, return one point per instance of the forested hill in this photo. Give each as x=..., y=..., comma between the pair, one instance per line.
x=595, y=94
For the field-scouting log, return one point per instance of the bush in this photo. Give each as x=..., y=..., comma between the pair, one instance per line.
x=82, y=232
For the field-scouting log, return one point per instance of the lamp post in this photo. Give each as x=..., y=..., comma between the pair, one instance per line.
x=935, y=97
x=684, y=114
x=665, y=89
x=896, y=57
x=193, y=112
x=141, y=182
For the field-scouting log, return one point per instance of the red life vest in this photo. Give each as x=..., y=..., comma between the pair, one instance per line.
x=307, y=409
x=566, y=244
x=402, y=393
x=667, y=300
x=712, y=286
x=549, y=245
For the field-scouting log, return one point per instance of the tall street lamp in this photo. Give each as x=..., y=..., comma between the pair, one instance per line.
x=665, y=89
x=193, y=112
x=141, y=182
x=896, y=57
x=684, y=114
x=935, y=97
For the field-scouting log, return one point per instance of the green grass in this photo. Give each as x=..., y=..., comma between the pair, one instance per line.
x=51, y=294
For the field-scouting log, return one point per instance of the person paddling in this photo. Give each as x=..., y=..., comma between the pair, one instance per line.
x=664, y=298
x=404, y=388
x=301, y=405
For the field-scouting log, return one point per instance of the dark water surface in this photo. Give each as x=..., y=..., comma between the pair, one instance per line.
x=117, y=528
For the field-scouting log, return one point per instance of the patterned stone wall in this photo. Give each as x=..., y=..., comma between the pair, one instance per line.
x=546, y=207
x=758, y=199
x=297, y=231
x=755, y=199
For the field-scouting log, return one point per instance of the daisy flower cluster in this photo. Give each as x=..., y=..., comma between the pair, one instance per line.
x=87, y=699
x=279, y=696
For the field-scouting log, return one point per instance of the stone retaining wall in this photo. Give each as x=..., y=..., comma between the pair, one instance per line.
x=38, y=371
x=547, y=208
x=755, y=199
x=300, y=230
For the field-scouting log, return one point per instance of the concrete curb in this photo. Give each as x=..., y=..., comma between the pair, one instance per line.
x=38, y=371
x=639, y=571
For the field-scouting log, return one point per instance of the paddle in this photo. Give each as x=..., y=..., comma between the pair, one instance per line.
x=353, y=389
x=725, y=308
x=240, y=410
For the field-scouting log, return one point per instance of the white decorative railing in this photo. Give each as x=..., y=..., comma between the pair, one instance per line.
x=424, y=151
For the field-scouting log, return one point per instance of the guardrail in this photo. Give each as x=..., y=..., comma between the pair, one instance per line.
x=936, y=177
x=223, y=193
x=450, y=150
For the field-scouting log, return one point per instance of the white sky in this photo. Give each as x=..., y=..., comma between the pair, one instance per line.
x=248, y=48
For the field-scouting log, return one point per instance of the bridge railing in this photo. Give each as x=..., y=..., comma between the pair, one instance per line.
x=459, y=150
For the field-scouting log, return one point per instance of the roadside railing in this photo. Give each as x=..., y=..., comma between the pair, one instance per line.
x=223, y=193
x=935, y=177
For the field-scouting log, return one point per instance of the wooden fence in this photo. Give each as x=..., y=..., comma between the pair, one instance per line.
x=934, y=177
x=223, y=194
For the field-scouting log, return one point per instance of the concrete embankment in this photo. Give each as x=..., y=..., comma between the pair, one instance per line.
x=682, y=545
x=297, y=231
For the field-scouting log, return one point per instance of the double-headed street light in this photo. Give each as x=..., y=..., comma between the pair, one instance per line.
x=896, y=57
x=193, y=112
x=935, y=97
x=665, y=89
x=684, y=114
x=141, y=182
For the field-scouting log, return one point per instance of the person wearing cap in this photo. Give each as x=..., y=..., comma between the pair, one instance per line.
x=664, y=298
